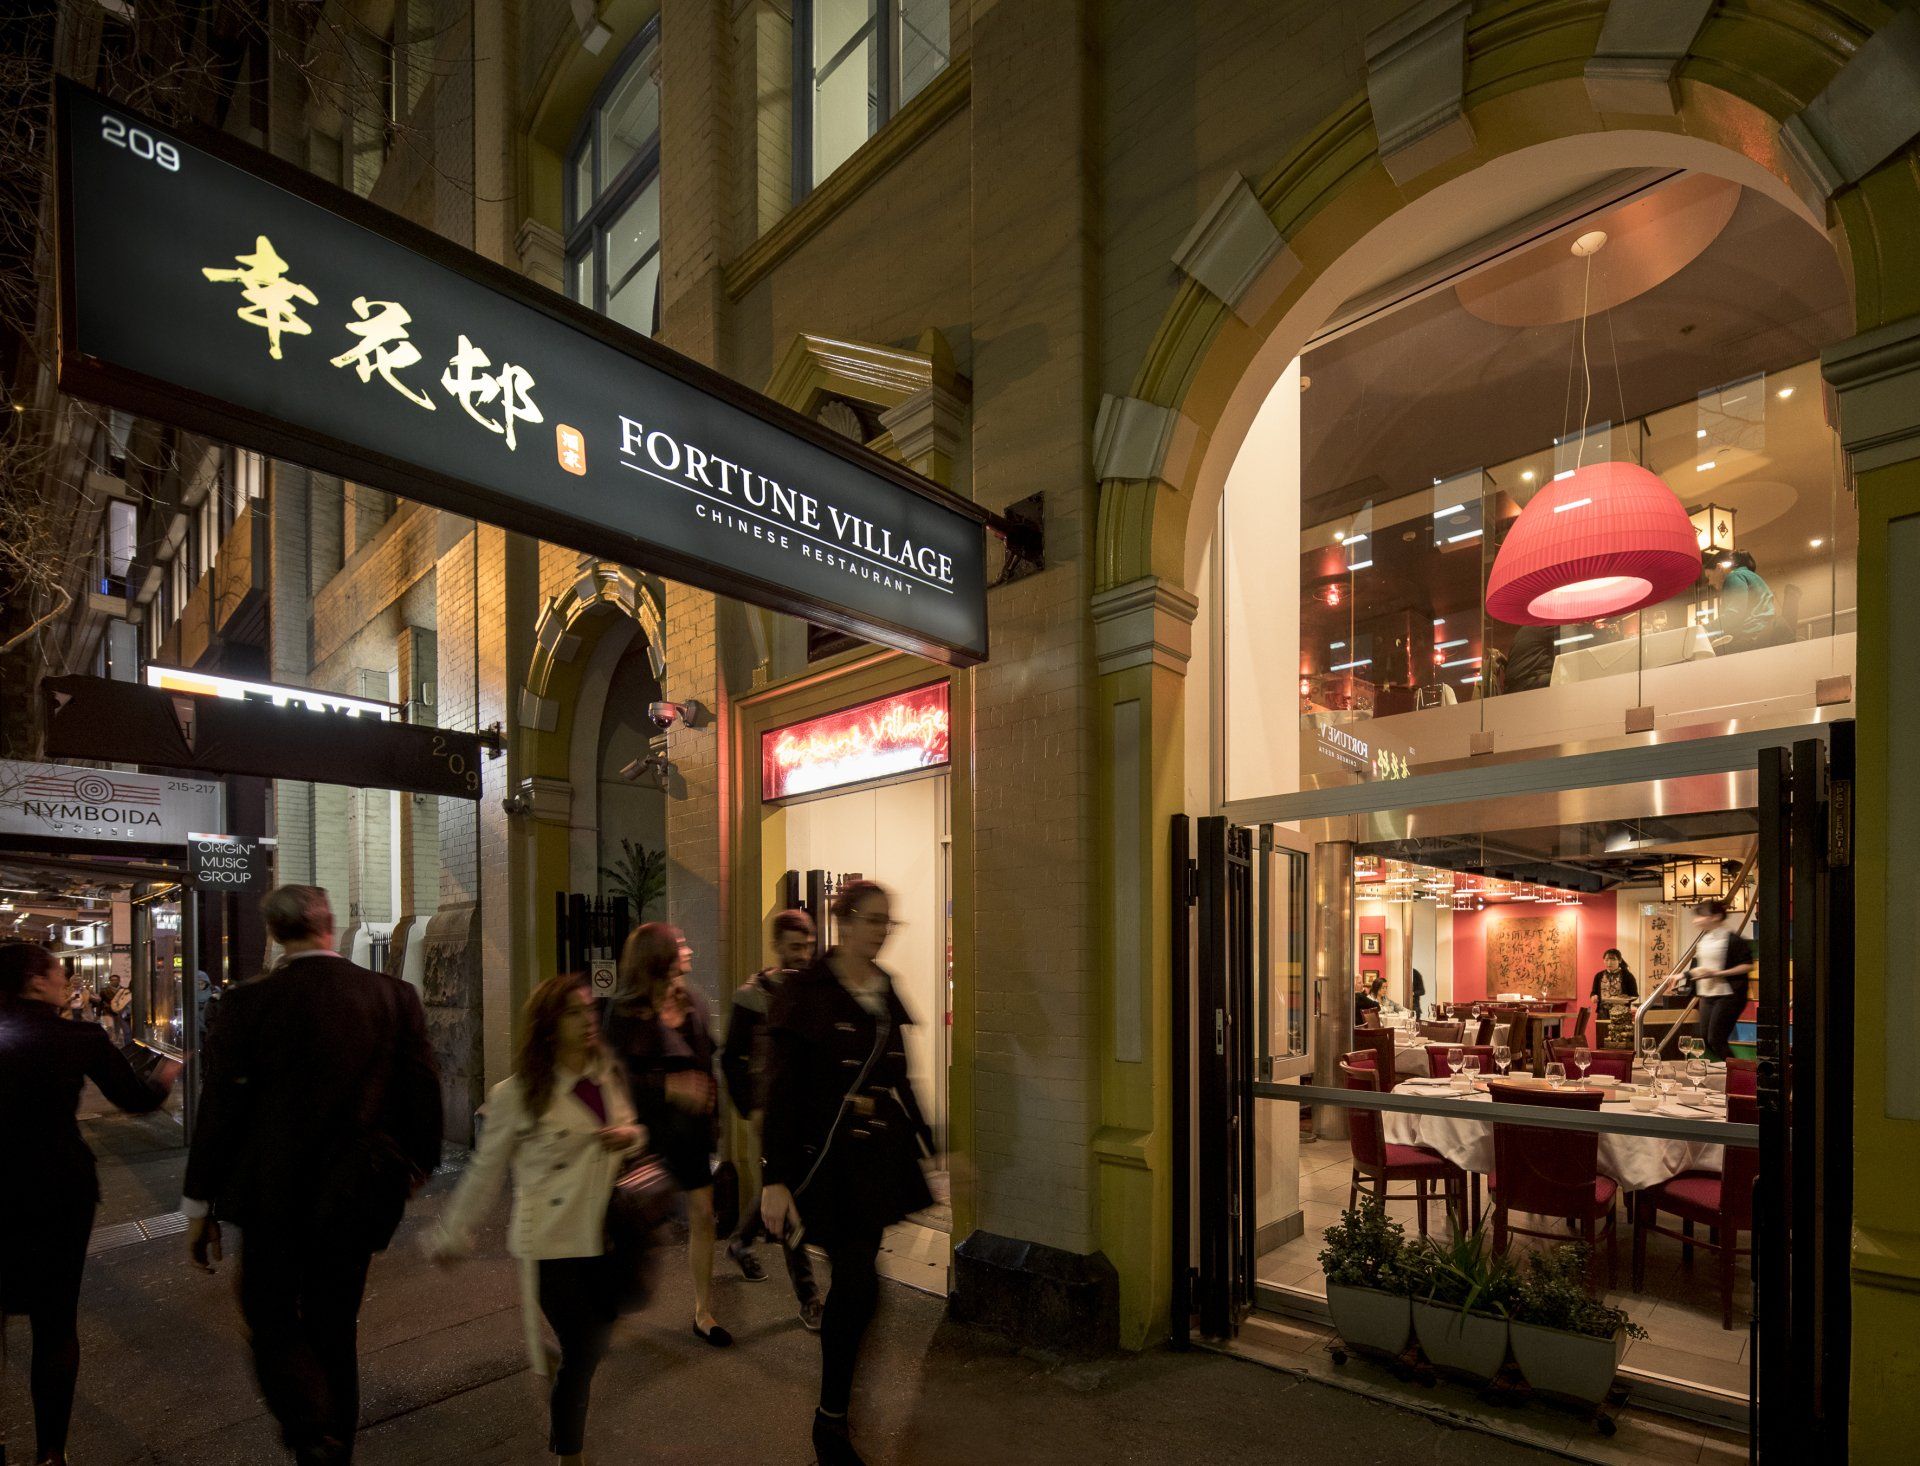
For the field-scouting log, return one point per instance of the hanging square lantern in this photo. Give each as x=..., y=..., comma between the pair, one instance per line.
x=1688, y=879
x=1713, y=527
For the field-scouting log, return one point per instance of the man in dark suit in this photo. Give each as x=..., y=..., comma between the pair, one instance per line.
x=320, y=1115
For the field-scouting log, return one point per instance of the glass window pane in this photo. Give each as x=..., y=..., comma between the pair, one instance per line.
x=583, y=190
x=630, y=122
x=633, y=234
x=925, y=47
x=580, y=277
x=632, y=304
x=845, y=82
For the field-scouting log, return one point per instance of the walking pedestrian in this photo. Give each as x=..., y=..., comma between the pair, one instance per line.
x=844, y=1135
x=561, y=1122
x=48, y=1170
x=743, y=1062
x=657, y=1029
x=1722, y=969
x=319, y=1118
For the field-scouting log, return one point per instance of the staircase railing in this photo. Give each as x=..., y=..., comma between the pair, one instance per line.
x=1684, y=966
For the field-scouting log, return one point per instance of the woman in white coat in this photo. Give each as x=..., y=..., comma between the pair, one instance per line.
x=562, y=1123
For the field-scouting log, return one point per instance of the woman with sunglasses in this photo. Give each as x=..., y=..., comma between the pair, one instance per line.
x=844, y=1138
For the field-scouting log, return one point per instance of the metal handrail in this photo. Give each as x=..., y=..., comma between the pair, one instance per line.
x=1542, y=1117
x=1686, y=964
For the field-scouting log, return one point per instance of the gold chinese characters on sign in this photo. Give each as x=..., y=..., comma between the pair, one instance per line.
x=385, y=348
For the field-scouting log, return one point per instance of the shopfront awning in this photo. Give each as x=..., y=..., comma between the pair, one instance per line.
x=122, y=722
x=207, y=284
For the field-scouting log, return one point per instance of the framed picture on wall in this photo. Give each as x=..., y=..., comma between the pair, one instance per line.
x=1369, y=944
x=1367, y=976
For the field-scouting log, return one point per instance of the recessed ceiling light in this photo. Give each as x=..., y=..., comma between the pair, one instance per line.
x=1703, y=467
x=1699, y=432
x=1527, y=477
x=1815, y=544
x=1784, y=393
x=1305, y=381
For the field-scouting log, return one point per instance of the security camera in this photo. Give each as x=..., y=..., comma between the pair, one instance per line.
x=652, y=772
x=663, y=715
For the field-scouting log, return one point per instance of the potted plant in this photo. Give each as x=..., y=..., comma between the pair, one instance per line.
x=1364, y=1263
x=1568, y=1342
x=1461, y=1294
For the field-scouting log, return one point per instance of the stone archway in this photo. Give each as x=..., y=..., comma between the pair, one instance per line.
x=1269, y=262
x=552, y=717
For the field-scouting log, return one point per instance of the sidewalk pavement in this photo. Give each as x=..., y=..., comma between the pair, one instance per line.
x=164, y=1378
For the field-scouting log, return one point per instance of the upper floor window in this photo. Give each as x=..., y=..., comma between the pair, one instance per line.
x=613, y=194
x=857, y=63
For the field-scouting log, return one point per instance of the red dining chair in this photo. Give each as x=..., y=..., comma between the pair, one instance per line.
x=1723, y=1202
x=1551, y=1173
x=1580, y=1024
x=1439, y=1068
x=1614, y=1063
x=1743, y=1076
x=1382, y=1162
x=1448, y=1032
x=1377, y=1045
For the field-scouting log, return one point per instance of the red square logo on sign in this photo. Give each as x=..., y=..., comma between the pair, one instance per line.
x=571, y=448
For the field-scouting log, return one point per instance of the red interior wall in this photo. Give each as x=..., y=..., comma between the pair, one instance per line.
x=1597, y=924
x=1361, y=961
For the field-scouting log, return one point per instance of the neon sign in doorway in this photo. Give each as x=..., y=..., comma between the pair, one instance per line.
x=904, y=733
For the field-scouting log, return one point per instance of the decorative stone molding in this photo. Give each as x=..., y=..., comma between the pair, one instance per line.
x=837, y=415
x=549, y=801
x=1867, y=112
x=1231, y=246
x=816, y=368
x=538, y=712
x=1146, y=622
x=1642, y=43
x=926, y=429
x=1417, y=85
x=1140, y=440
x=543, y=255
x=1876, y=377
x=594, y=32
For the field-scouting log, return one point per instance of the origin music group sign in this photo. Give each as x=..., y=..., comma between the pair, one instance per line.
x=207, y=284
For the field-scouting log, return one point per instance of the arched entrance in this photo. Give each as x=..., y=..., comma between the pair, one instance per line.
x=1345, y=226
x=581, y=719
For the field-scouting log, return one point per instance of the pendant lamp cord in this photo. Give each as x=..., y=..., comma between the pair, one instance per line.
x=1586, y=369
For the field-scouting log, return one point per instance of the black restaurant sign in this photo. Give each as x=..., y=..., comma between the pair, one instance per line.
x=207, y=284
x=229, y=863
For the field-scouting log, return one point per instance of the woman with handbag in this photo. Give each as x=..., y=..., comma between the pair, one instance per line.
x=844, y=1137
x=656, y=1027
x=563, y=1124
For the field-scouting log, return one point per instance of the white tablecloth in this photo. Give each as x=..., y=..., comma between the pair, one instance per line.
x=1662, y=649
x=1635, y=1161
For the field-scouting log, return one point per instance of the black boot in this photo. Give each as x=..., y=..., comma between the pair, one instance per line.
x=833, y=1442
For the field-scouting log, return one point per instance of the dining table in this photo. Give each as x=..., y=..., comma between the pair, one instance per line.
x=1635, y=1161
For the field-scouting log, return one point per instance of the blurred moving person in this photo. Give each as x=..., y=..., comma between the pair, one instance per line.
x=319, y=1118
x=844, y=1136
x=561, y=1122
x=48, y=1170
x=743, y=1061
x=656, y=1028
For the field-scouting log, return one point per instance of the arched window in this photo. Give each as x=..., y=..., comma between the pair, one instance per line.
x=613, y=193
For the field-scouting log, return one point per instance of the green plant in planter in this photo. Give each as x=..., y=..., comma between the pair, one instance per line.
x=1556, y=1292
x=1463, y=1272
x=1366, y=1249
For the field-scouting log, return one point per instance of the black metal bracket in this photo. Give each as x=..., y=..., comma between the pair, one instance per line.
x=1022, y=530
x=494, y=739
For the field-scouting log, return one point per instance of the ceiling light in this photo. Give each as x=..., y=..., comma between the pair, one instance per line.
x=1354, y=538
x=1361, y=565
x=1447, y=646
x=1815, y=544
x=1305, y=381
x=1784, y=393
x=1526, y=476
x=1571, y=504
x=1703, y=467
x=1470, y=534
x=1462, y=662
x=1450, y=509
x=1335, y=646
x=1699, y=432
x=1564, y=473
x=1573, y=640
x=1349, y=666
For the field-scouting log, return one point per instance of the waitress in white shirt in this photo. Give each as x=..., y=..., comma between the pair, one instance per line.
x=1722, y=968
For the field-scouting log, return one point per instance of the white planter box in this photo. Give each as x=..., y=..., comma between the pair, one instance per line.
x=1571, y=1366
x=1471, y=1344
x=1369, y=1318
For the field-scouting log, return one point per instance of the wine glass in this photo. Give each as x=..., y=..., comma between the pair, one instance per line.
x=1697, y=1074
x=1649, y=1054
x=1470, y=1066
x=1663, y=1080
x=1693, y=1046
x=1503, y=1057
x=1454, y=1055
x=1583, y=1061
x=1556, y=1075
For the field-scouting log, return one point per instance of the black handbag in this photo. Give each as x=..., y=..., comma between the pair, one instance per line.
x=726, y=1199
x=640, y=1204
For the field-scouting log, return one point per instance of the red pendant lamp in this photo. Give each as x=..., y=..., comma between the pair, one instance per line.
x=1604, y=540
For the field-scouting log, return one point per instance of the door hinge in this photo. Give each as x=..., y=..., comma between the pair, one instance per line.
x=1219, y=1031
x=1840, y=823
x=1191, y=876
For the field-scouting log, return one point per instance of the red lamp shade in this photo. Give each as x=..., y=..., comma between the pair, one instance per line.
x=1607, y=539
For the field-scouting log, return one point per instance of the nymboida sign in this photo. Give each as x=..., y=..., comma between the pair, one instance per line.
x=207, y=284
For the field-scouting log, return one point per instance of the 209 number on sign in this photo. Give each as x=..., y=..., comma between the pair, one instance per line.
x=142, y=144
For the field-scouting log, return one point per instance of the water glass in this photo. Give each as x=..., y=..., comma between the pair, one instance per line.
x=1556, y=1075
x=1470, y=1066
x=1663, y=1079
x=1454, y=1055
x=1649, y=1053
x=1697, y=1074
x=1693, y=1047
x=1503, y=1057
x=1583, y=1061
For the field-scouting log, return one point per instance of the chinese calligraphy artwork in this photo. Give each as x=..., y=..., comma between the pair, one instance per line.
x=384, y=345
x=1532, y=954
